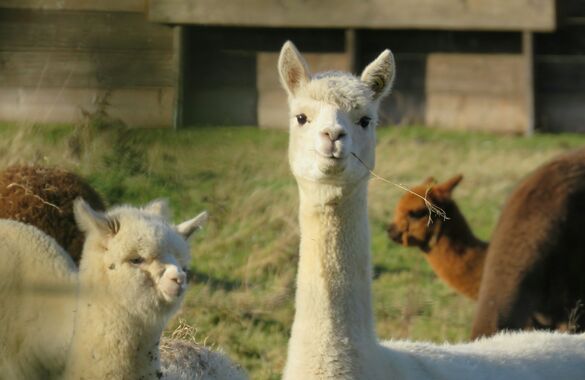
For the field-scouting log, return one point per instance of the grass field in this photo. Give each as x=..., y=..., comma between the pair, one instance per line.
x=245, y=260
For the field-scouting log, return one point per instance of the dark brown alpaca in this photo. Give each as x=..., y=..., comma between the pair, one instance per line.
x=44, y=198
x=451, y=248
x=534, y=274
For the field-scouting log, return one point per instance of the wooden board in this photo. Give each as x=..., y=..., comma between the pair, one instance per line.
x=476, y=92
x=476, y=113
x=85, y=69
x=407, y=14
x=24, y=29
x=85, y=5
x=474, y=73
x=57, y=58
x=135, y=107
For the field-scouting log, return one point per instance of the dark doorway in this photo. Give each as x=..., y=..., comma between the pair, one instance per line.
x=219, y=79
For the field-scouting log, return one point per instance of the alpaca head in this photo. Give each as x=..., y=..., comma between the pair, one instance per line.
x=411, y=225
x=333, y=115
x=135, y=258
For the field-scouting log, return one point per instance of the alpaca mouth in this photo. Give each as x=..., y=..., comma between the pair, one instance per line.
x=331, y=164
x=172, y=292
x=394, y=233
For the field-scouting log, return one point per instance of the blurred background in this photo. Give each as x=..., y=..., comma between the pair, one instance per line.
x=512, y=66
x=181, y=99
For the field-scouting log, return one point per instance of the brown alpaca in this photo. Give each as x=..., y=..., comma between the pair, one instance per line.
x=44, y=198
x=451, y=248
x=534, y=274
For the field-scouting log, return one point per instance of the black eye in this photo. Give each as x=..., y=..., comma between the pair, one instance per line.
x=302, y=119
x=417, y=214
x=137, y=260
x=364, y=122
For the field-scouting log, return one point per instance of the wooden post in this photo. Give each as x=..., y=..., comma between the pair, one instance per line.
x=351, y=50
x=179, y=37
x=528, y=58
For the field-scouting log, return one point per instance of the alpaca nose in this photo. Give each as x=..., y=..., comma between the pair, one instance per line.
x=177, y=275
x=333, y=134
x=180, y=278
x=394, y=233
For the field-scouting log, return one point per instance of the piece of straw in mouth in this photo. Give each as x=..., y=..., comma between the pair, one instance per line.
x=430, y=206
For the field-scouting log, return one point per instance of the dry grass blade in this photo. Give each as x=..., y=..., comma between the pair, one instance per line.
x=31, y=193
x=184, y=331
x=575, y=314
x=430, y=206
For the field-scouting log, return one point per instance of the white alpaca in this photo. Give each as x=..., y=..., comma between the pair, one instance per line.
x=185, y=360
x=104, y=321
x=333, y=116
x=37, y=303
x=131, y=281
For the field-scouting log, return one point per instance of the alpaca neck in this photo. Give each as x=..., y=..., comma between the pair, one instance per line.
x=109, y=343
x=333, y=323
x=458, y=256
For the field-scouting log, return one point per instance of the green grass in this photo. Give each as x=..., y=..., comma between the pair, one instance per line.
x=245, y=260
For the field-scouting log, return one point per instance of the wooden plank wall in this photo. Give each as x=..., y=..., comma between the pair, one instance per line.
x=408, y=103
x=59, y=57
x=477, y=92
x=405, y=14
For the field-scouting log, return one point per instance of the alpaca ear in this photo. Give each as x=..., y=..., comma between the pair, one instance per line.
x=159, y=207
x=379, y=75
x=293, y=69
x=445, y=189
x=88, y=220
x=429, y=181
x=187, y=228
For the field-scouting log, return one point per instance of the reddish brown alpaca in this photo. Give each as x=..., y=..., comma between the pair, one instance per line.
x=534, y=274
x=44, y=197
x=451, y=248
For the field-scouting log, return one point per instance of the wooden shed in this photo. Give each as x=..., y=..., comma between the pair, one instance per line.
x=61, y=57
x=498, y=65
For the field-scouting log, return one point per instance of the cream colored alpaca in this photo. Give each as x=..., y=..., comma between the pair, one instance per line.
x=333, y=115
x=132, y=279
x=105, y=321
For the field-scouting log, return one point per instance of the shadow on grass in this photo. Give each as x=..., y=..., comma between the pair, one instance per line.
x=380, y=269
x=214, y=283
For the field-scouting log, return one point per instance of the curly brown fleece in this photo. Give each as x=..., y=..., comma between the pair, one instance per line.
x=44, y=197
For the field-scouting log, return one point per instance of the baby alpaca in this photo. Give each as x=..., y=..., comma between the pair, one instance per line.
x=332, y=118
x=104, y=321
x=450, y=247
x=132, y=279
x=44, y=197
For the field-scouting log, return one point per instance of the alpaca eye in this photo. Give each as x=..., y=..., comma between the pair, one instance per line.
x=301, y=119
x=364, y=122
x=417, y=214
x=137, y=260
